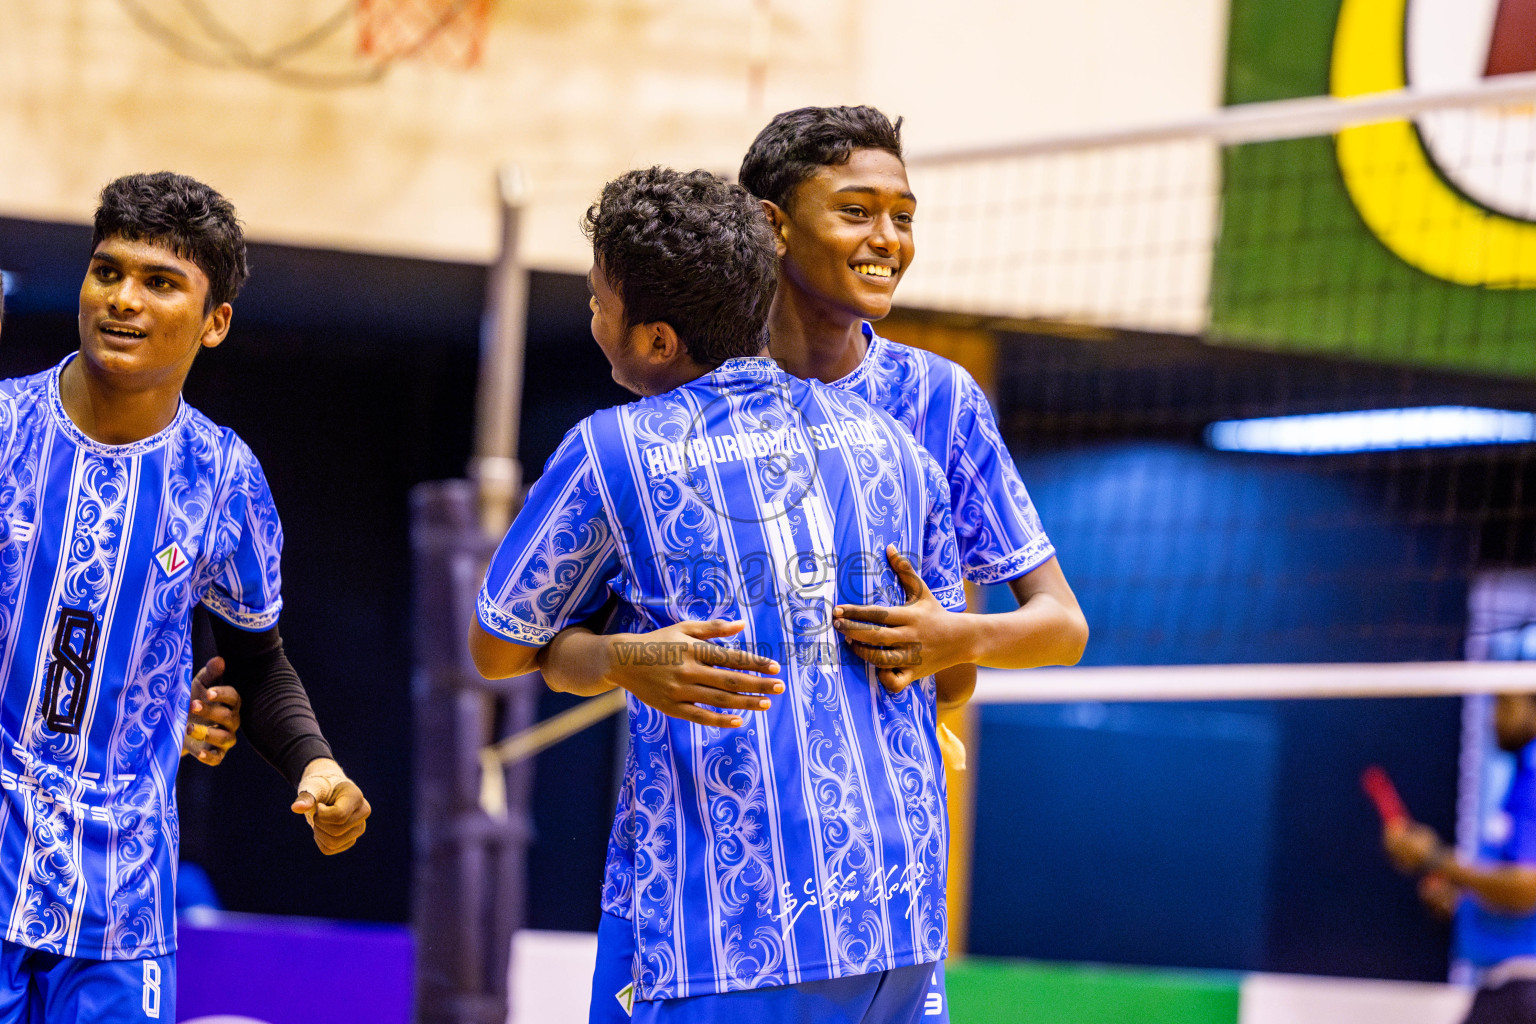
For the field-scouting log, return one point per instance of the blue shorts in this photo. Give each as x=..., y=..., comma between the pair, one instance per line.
x=45, y=988
x=908, y=994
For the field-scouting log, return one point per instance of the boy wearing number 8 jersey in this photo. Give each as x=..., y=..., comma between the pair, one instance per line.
x=122, y=508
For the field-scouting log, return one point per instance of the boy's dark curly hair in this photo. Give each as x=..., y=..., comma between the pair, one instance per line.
x=185, y=216
x=688, y=249
x=798, y=142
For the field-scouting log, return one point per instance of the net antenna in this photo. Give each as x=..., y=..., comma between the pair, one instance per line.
x=321, y=53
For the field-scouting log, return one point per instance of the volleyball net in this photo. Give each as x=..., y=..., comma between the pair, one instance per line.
x=1283, y=225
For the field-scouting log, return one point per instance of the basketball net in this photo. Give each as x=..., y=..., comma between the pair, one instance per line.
x=447, y=32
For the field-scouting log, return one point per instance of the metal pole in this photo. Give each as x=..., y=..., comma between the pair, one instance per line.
x=503, y=334
x=470, y=865
x=456, y=980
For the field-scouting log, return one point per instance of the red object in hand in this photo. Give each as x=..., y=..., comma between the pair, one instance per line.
x=1383, y=794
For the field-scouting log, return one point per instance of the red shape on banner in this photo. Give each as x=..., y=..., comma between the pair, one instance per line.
x=1513, y=47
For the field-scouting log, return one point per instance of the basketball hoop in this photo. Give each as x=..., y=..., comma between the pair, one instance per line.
x=290, y=42
x=448, y=32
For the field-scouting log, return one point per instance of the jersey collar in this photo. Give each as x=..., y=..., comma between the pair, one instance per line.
x=873, y=343
x=744, y=369
x=90, y=444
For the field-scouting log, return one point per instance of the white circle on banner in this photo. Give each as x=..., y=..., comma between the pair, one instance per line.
x=1489, y=153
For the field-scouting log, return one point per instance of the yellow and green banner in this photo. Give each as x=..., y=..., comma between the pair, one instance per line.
x=1406, y=241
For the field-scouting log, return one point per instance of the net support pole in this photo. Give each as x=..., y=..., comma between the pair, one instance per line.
x=460, y=902
x=503, y=333
x=470, y=866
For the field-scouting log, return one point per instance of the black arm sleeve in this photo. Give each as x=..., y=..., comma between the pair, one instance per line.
x=274, y=708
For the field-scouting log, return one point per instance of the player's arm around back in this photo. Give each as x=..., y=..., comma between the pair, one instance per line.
x=1048, y=627
x=528, y=620
x=675, y=670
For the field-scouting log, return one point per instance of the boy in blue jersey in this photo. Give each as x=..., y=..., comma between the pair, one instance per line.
x=122, y=508
x=833, y=186
x=1492, y=897
x=213, y=721
x=835, y=189
x=790, y=866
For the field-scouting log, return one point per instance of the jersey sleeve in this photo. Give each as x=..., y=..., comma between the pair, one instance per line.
x=552, y=568
x=246, y=589
x=941, y=559
x=996, y=526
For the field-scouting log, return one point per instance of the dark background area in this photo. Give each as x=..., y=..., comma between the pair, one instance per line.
x=1234, y=835
x=1229, y=835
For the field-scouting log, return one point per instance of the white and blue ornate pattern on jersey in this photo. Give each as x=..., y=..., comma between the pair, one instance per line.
x=916, y=772
x=23, y=452
x=656, y=868
x=679, y=521
x=572, y=543
x=887, y=519
x=50, y=879
x=241, y=581
x=938, y=403
x=618, y=874
x=998, y=529
x=752, y=947
x=785, y=850
x=142, y=809
x=91, y=716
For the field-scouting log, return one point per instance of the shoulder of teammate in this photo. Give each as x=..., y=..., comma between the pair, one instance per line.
x=573, y=457
x=538, y=580
x=900, y=352
x=998, y=529
x=19, y=397
x=934, y=373
x=942, y=380
x=919, y=381
x=31, y=384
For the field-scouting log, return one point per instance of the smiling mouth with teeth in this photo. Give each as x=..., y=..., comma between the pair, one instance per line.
x=123, y=332
x=873, y=269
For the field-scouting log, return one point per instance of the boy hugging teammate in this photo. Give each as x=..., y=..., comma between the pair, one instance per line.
x=833, y=187
x=792, y=866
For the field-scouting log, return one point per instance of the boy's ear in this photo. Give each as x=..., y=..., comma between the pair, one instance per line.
x=216, y=325
x=660, y=342
x=779, y=221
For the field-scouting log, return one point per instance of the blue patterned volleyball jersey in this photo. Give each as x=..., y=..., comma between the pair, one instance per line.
x=996, y=525
x=997, y=530
x=104, y=550
x=811, y=842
